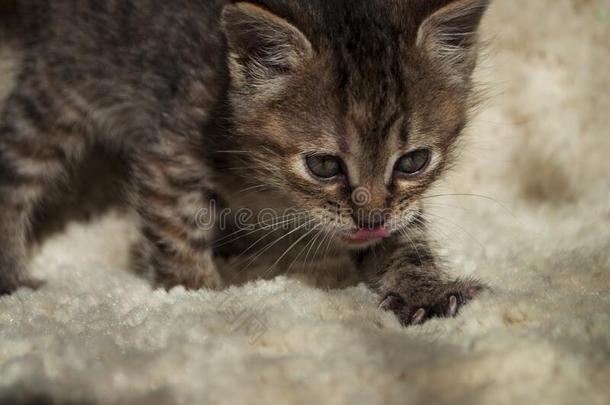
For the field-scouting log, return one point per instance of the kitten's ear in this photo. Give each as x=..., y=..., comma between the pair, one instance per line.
x=261, y=44
x=450, y=34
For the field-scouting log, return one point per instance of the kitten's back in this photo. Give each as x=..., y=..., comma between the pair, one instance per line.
x=150, y=44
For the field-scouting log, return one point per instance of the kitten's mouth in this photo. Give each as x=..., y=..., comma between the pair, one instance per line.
x=359, y=237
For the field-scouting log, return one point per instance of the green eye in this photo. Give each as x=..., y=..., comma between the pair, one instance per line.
x=413, y=163
x=325, y=167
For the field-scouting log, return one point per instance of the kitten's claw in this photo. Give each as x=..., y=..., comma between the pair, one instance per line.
x=453, y=307
x=392, y=302
x=419, y=316
x=444, y=301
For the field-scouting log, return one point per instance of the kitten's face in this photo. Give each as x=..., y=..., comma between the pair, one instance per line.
x=354, y=129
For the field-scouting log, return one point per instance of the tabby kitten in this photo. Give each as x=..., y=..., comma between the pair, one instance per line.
x=341, y=112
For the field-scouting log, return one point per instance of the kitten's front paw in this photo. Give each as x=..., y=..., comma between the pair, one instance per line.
x=442, y=301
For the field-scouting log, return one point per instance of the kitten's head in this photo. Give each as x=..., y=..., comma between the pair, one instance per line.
x=351, y=107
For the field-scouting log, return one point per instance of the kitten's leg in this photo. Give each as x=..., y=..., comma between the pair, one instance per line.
x=176, y=209
x=38, y=139
x=412, y=285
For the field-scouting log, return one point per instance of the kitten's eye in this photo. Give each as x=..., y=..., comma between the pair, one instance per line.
x=325, y=167
x=413, y=163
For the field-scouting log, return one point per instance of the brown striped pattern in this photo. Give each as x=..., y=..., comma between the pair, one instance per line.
x=220, y=102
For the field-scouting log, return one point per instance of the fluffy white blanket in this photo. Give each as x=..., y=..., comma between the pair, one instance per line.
x=538, y=149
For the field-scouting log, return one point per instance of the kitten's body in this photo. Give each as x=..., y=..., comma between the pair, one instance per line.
x=220, y=105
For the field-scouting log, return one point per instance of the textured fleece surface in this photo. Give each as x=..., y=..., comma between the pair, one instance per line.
x=538, y=155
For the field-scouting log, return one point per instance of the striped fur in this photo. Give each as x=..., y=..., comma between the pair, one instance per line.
x=216, y=103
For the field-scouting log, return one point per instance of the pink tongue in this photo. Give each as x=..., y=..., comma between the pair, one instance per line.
x=371, y=234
